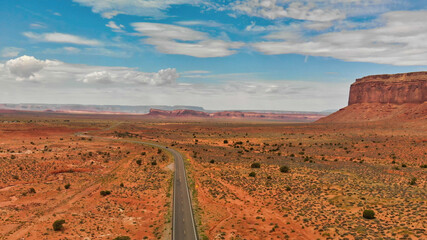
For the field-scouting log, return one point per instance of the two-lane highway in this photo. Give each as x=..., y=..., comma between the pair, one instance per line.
x=183, y=226
x=183, y=220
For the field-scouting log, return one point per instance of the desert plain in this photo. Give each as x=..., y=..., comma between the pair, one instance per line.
x=248, y=179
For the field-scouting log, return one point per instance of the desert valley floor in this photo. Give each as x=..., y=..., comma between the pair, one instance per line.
x=249, y=180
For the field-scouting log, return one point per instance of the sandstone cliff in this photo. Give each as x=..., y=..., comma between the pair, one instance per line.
x=390, y=88
x=392, y=97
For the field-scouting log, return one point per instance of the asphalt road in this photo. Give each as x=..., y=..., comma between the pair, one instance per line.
x=183, y=226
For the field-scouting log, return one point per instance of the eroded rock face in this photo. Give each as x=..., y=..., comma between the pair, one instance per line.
x=178, y=113
x=390, y=88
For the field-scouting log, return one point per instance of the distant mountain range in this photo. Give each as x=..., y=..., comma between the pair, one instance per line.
x=143, y=109
x=192, y=114
x=94, y=108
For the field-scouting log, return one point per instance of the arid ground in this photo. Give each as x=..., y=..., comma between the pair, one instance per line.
x=330, y=174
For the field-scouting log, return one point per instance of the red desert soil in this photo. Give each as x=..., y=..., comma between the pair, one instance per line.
x=39, y=157
x=336, y=171
x=249, y=179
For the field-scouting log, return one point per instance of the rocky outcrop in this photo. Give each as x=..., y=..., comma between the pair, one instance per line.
x=391, y=97
x=390, y=88
x=177, y=113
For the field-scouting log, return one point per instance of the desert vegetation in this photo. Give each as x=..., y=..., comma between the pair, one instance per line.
x=265, y=179
x=299, y=181
x=59, y=182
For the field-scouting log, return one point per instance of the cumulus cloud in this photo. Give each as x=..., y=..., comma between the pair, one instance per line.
x=97, y=77
x=151, y=8
x=162, y=77
x=62, y=38
x=28, y=68
x=25, y=67
x=400, y=40
x=173, y=39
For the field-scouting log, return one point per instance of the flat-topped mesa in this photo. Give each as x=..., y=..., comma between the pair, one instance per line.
x=177, y=113
x=390, y=88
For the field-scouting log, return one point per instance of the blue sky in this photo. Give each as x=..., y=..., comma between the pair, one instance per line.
x=248, y=54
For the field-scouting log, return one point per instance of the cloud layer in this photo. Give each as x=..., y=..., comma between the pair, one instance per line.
x=152, y=8
x=28, y=68
x=62, y=38
x=172, y=39
x=318, y=28
x=273, y=9
x=399, y=40
x=56, y=81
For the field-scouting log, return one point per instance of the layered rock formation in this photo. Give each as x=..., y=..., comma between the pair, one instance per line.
x=177, y=113
x=390, y=96
x=390, y=88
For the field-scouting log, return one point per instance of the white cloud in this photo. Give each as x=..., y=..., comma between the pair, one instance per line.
x=200, y=23
x=37, y=25
x=28, y=68
x=173, y=39
x=85, y=84
x=25, y=67
x=273, y=9
x=318, y=25
x=168, y=31
x=256, y=94
x=115, y=27
x=313, y=10
x=97, y=77
x=9, y=52
x=152, y=8
x=62, y=38
x=162, y=77
x=400, y=40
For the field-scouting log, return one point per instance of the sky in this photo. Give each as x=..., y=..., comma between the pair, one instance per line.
x=295, y=55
